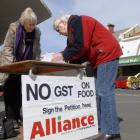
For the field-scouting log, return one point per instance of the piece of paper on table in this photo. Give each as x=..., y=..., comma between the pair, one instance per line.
x=48, y=58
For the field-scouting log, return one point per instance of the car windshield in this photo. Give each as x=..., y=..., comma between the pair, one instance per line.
x=138, y=76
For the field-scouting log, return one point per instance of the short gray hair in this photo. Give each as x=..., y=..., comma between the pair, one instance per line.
x=28, y=14
x=63, y=18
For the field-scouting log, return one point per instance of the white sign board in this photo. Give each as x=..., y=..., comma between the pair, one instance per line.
x=59, y=108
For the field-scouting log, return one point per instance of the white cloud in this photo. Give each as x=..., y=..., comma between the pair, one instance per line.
x=122, y=13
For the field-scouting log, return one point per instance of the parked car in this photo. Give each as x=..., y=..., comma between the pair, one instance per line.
x=131, y=82
x=121, y=82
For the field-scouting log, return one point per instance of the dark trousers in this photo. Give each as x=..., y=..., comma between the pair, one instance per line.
x=13, y=96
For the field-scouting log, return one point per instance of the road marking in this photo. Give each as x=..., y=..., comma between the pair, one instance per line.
x=127, y=94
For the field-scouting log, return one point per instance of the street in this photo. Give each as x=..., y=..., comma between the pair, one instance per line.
x=128, y=106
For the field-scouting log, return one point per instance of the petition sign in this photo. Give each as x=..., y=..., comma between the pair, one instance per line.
x=59, y=107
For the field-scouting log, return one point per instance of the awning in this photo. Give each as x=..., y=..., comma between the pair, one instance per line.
x=128, y=61
x=10, y=11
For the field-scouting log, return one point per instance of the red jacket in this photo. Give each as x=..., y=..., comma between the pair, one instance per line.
x=89, y=40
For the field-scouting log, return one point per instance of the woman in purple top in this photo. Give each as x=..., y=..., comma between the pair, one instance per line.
x=22, y=42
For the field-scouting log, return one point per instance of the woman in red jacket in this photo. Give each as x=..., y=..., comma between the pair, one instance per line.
x=89, y=40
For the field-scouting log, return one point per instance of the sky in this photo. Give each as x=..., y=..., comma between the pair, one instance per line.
x=122, y=13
